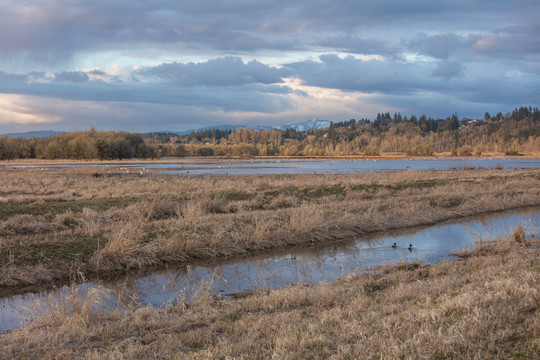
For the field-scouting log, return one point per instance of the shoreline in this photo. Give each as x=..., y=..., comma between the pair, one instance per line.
x=169, y=160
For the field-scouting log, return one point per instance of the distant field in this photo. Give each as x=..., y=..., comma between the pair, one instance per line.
x=57, y=224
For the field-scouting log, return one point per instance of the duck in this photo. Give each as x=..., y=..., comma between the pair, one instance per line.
x=410, y=247
x=394, y=246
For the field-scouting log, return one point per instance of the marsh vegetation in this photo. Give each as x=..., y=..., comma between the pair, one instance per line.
x=484, y=306
x=60, y=223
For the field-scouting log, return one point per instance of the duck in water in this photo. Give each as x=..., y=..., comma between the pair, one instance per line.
x=410, y=247
x=394, y=246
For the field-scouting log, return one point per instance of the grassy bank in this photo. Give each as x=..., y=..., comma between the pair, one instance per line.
x=483, y=306
x=57, y=223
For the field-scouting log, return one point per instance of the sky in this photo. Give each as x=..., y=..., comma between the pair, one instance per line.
x=169, y=65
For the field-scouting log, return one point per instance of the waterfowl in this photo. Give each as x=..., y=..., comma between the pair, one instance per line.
x=394, y=246
x=410, y=247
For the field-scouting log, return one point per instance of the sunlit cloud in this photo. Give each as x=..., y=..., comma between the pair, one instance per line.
x=19, y=110
x=175, y=65
x=485, y=43
x=328, y=103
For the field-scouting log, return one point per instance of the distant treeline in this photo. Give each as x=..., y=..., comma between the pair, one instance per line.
x=92, y=144
x=511, y=133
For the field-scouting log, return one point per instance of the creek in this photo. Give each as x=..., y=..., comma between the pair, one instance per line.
x=235, y=277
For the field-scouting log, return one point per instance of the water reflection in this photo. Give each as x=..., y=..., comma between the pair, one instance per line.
x=297, y=266
x=262, y=166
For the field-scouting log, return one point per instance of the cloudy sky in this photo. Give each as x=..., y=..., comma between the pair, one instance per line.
x=156, y=65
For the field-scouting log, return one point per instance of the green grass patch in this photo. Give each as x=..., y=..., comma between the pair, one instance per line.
x=421, y=184
x=236, y=195
x=151, y=233
x=51, y=208
x=307, y=193
x=399, y=186
x=73, y=249
x=286, y=191
x=370, y=188
x=323, y=191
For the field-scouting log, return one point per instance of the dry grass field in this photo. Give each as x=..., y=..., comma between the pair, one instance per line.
x=485, y=306
x=58, y=223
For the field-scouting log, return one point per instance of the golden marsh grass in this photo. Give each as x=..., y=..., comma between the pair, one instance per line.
x=55, y=223
x=483, y=306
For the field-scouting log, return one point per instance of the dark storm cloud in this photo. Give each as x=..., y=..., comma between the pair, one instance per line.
x=441, y=46
x=37, y=75
x=448, y=69
x=71, y=76
x=351, y=74
x=255, y=97
x=218, y=72
x=6, y=78
x=66, y=27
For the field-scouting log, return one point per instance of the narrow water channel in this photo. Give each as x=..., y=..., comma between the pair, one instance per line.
x=297, y=266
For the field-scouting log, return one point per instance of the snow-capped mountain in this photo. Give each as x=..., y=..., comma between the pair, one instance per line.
x=306, y=125
x=303, y=126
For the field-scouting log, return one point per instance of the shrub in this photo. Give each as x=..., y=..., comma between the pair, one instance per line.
x=423, y=149
x=465, y=151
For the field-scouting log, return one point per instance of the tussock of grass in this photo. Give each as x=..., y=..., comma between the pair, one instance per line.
x=28, y=224
x=283, y=201
x=213, y=205
x=128, y=222
x=484, y=306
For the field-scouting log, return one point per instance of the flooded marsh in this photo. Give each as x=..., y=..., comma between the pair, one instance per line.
x=180, y=240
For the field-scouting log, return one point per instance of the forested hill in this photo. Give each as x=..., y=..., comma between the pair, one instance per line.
x=512, y=134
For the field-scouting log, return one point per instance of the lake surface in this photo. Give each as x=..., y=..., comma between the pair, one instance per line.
x=261, y=166
x=296, y=266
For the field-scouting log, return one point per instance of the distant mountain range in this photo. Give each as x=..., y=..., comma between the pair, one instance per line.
x=303, y=126
x=306, y=125
x=31, y=134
